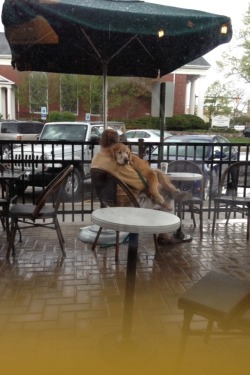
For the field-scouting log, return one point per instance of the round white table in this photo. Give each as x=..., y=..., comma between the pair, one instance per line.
x=134, y=220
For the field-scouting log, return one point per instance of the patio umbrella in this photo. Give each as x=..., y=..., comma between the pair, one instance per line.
x=114, y=37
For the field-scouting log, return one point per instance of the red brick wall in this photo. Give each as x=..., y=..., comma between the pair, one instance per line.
x=137, y=108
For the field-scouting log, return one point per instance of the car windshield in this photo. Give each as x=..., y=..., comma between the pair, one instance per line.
x=193, y=151
x=68, y=132
x=97, y=130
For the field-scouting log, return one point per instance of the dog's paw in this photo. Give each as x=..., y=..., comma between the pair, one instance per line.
x=167, y=207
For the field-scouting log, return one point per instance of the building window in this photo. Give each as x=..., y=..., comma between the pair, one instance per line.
x=69, y=93
x=38, y=83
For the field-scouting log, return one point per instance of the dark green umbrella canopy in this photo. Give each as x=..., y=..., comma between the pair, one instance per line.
x=88, y=36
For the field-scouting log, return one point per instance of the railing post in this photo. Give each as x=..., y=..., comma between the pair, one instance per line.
x=141, y=148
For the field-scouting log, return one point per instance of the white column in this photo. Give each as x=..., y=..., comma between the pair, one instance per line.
x=200, y=104
x=192, y=97
x=1, y=102
x=13, y=104
x=9, y=104
x=187, y=97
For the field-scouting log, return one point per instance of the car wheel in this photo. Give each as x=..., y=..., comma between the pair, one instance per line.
x=73, y=186
x=207, y=185
x=5, y=151
x=211, y=185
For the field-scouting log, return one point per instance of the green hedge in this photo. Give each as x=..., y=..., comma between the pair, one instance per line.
x=176, y=123
x=64, y=116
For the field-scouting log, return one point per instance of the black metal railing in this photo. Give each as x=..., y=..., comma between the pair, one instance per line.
x=74, y=208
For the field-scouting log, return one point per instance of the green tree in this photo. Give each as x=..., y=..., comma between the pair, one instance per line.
x=38, y=85
x=238, y=65
x=217, y=100
x=68, y=98
x=224, y=99
x=120, y=90
x=90, y=91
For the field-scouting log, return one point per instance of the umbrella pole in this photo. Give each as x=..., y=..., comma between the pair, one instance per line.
x=162, y=121
x=105, y=96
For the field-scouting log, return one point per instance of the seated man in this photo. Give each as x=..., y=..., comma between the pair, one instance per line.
x=128, y=175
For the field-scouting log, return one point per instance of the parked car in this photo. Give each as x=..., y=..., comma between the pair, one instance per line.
x=204, y=156
x=246, y=132
x=40, y=160
x=148, y=135
x=120, y=127
x=18, y=131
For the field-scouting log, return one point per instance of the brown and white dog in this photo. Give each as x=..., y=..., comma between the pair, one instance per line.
x=122, y=154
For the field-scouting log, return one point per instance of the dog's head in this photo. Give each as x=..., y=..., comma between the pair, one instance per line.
x=120, y=153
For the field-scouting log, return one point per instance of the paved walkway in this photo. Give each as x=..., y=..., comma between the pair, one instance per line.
x=65, y=317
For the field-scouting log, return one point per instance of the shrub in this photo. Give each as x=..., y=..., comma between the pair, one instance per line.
x=176, y=123
x=64, y=116
x=185, y=122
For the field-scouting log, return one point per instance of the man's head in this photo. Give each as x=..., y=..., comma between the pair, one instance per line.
x=108, y=138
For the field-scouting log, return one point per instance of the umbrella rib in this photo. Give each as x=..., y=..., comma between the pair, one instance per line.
x=124, y=46
x=91, y=43
x=152, y=57
x=117, y=52
x=128, y=42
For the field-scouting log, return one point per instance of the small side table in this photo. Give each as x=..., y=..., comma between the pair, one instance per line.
x=134, y=220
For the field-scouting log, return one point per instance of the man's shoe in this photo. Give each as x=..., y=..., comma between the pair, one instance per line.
x=165, y=239
x=182, y=237
x=176, y=238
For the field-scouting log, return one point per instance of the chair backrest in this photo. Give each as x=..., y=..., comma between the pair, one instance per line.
x=184, y=166
x=235, y=180
x=53, y=190
x=2, y=167
x=105, y=185
x=196, y=187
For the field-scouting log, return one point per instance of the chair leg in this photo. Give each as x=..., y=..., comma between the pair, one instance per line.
x=228, y=214
x=3, y=222
x=117, y=246
x=60, y=236
x=201, y=221
x=248, y=221
x=97, y=238
x=155, y=242
x=12, y=236
x=216, y=207
x=192, y=214
x=209, y=330
x=59, y=232
x=185, y=332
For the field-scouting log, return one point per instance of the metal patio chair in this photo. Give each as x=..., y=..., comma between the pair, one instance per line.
x=105, y=185
x=195, y=204
x=234, y=193
x=218, y=298
x=4, y=204
x=45, y=208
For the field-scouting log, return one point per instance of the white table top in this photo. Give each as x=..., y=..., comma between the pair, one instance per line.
x=11, y=175
x=136, y=220
x=184, y=176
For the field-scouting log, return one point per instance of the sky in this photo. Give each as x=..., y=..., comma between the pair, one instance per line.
x=233, y=9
